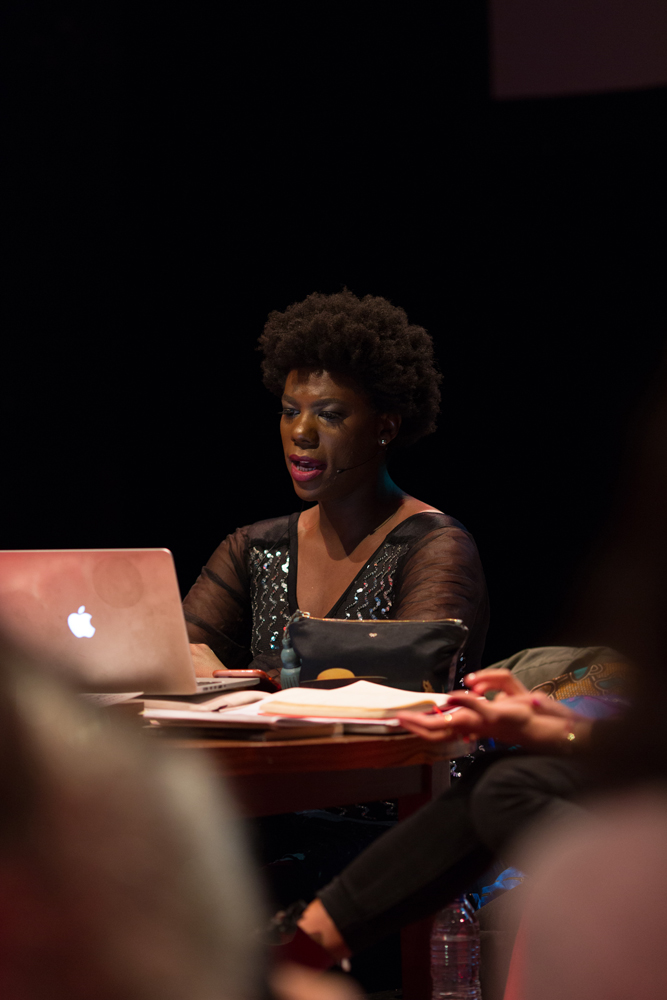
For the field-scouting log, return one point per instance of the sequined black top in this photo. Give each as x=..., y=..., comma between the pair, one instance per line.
x=427, y=568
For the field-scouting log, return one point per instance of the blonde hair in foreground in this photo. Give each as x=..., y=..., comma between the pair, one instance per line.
x=122, y=870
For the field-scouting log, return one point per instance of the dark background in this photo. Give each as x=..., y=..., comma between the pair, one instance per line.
x=181, y=173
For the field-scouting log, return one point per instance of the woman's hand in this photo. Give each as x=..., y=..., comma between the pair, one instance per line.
x=502, y=681
x=514, y=716
x=204, y=659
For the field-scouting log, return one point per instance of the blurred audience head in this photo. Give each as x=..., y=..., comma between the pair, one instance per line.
x=122, y=870
x=595, y=916
x=623, y=594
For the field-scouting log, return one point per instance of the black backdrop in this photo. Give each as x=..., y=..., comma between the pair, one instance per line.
x=183, y=173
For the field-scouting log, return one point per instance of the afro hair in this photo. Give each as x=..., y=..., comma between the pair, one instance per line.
x=370, y=342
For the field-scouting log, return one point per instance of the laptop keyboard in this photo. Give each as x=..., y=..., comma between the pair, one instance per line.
x=225, y=683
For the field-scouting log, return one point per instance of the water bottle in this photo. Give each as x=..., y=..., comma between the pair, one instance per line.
x=455, y=953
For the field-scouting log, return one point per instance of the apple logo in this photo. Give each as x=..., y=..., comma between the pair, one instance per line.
x=79, y=624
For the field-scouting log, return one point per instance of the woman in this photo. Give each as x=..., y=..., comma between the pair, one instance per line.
x=356, y=379
x=430, y=858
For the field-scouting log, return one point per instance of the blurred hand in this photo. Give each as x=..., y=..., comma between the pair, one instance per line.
x=506, y=685
x=514, y=716
x=204, y=659
x=502, y=681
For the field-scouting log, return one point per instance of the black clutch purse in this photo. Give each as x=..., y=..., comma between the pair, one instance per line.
x=413, y=655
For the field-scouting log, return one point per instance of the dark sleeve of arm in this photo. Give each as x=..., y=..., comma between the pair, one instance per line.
x=442, y=577
x=217, y=608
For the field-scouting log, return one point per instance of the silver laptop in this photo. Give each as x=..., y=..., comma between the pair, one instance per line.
x=107, y=619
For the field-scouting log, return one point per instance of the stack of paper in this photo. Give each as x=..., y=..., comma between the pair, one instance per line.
x=361, y=700
x=296, y=713
x=238, y=720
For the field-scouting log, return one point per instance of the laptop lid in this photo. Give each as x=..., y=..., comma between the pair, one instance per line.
x=107, y=619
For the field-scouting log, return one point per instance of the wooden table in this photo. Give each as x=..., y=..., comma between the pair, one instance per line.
x=288, y=775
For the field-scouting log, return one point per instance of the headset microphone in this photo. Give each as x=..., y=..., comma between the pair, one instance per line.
x=351, y=467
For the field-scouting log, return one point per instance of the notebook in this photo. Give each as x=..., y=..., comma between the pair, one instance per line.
x=106, y=619
x=360, y=700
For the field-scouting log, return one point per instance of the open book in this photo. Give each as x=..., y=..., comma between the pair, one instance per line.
x=361, y=700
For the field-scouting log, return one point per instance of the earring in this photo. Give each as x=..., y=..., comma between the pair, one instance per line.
x=382, y=441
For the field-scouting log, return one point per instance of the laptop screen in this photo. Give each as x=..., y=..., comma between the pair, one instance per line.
x=107, y=619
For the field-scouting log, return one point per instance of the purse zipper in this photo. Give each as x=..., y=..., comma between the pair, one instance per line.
x=365, y=621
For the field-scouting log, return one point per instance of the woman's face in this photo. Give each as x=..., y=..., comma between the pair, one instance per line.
x=331, y=434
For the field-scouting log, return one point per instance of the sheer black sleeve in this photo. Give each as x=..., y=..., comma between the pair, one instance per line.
x=217, y=609
x=441, y=576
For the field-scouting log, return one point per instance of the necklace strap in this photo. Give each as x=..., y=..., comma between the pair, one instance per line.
x=383, y=523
